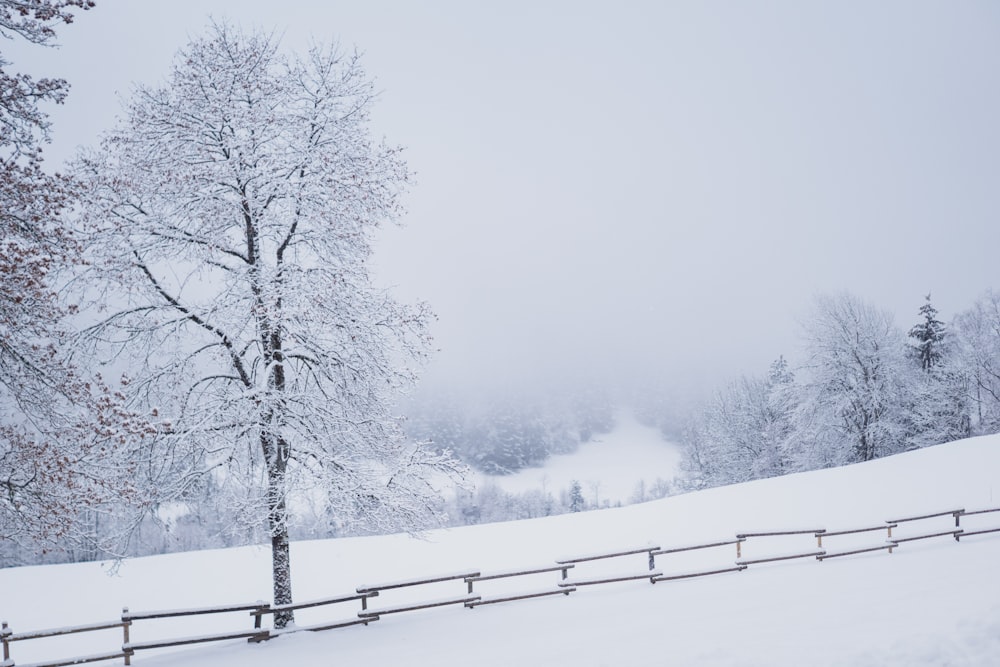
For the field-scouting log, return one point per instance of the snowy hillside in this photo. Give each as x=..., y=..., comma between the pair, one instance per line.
x=931, y=602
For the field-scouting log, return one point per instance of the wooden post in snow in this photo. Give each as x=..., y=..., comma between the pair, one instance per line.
x=4, y=633
x=126, y=622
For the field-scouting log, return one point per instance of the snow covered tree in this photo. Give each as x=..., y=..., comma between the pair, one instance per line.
x=939, y=405
x=854, y=398
x=975, y=358
x=576, y=502
x=61, y=432
x=743, y=432
x=229, y=219
x=928, y=337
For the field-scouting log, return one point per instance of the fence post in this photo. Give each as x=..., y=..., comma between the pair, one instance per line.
x=5, y=632
x=126, y=623
x=258, y=614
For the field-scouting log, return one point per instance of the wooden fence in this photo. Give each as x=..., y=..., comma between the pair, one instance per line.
x=471, y=599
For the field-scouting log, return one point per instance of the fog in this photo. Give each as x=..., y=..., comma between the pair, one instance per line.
x=635, y=193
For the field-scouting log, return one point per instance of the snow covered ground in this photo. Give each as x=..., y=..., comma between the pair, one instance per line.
x=609, y=468
x=932, y=602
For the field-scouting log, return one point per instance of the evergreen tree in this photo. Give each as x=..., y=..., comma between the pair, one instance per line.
x=940, y=406
x=929, y=336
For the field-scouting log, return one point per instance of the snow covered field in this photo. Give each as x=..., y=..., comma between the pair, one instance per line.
x=932, y=602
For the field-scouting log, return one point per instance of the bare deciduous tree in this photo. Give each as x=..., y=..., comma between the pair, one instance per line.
x=229, y=217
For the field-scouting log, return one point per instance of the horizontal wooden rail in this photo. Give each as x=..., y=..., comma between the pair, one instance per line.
x=319, y=627
x=82, y=660
x=317, y=603
x=837, y=554
x=173, y=613
x=417, y=582
x=691, y=575
x=57, y=632
x=967, y=533
x=419, y=605
x=520, y=573
x=517, y=573
x=675, y=550
x=954, y=533
x=200, y=639
x=563, y=590
x=651, y=575
x=614, y=554
x=927, y=516
x=986, y=511
x=772, y=559
x=774, y=533
x=834, y=533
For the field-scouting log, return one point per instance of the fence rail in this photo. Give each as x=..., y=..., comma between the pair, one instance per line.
x=265, y=609
x=852, y=552
x=704, y=573
x=677, y=550
x=955, y=513
x=563, y=590
x=951, y=533
x=773, y=559
x=470, y=598
x=854, y=531
x=776, y=533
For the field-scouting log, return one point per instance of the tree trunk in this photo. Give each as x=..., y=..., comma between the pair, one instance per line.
x=281, y=564
x=276, y=452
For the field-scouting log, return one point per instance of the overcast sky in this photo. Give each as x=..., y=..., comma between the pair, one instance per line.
x=636, y=189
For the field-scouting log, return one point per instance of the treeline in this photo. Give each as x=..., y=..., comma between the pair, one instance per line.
x=865, y=389
x=501, y=434
x=488, y=503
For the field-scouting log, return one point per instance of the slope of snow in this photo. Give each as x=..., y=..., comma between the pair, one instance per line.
x=609, y=467
x=932, y=602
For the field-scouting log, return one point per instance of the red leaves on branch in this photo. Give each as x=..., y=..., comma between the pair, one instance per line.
x=34, y=20
x=63, y=438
